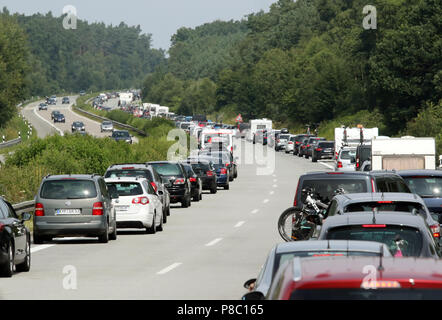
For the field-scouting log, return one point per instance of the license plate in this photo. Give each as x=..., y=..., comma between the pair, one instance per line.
x=67, y=211
x=122, y=208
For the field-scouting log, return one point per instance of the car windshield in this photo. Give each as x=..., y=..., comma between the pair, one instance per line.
x=326, y=145
x=167, y=169
x=426, y=187
x=325, y=188
x=127, y=188
x=401, y=240
x=284, y=136
x=364, y=294
x=120, y=134
x=129, y=173
x=68, y=189
x=348, y=154
x=107, y=123
x=400, y=206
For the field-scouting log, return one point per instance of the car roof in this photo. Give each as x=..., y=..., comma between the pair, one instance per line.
x=337, y=269
x=163, y=162
x=72, y=176
x=422, y=172
x=128, y=166
x=386, y=217
x=125, y=179
x=378, y=196
x=348, y=174
x=352, y=245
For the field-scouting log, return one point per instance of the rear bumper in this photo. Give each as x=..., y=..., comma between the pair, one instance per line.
x=222, y=180
x=138, y=220
x=48, y=226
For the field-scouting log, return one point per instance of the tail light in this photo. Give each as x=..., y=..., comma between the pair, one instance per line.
x=228, y=164
x=97, y=209
x=223, y=171
x=231, y=149
x=308, y=146
x=140, y=200
x=39, y=210
x=435, y=229
x=357, y=163
x=278, y=141
x=2, y=226
x=291, y=142
x=318, y=149
x=295, y=202
x=154, y=185
x=179, y=181
x=209, y=173
x=339, y=164
x=388, y=202
x=192, y=179
x=374, y=226
x=372, y=185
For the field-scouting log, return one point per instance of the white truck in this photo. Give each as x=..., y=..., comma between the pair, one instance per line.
x=351, y=137
x=258, y=124
x=126, y=98
x=406, y=153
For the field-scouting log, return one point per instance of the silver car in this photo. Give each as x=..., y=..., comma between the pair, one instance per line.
x=74, y=206
x=346, y=159
x=281, y=141
x=107, y=126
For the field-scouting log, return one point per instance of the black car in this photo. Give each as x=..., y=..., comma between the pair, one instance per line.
x=195, y=182
x=311, y=144
x=406, y=235
x=122, y=135
x=428, y=185
x=175, y=179
x=299, y=138
x=325, y=184
x=59, y=117
x=146, y=171
x=363, y=154
x=42, y=106
x=78, y=126
x=15, y=241
x=65, y=100
x=323, y=150
x=205, y=170
x=225, y=158
x=53, y=113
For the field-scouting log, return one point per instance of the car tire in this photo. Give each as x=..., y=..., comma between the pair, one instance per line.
x=25, y=266
x=38, y=239
x=164, y=216
x=8, y=268
x=168, y=210
x=314, y=159
x=104, y=238
x=153, y=228
x=201, y=196
x=113, y=235
x=227, y=187
x=185, y=203
x=161, y=226
x=214, y=190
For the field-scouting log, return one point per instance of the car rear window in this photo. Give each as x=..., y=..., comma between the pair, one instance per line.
x=284, y=136
x=127, y=188
x=326, y=145
x=325, y=188
x=399, y=206
x=129, y=173
x=399, y=239
x=68, y=189
x=347, y=154
x=167, y=169
x=427, y=187
x=200, y=168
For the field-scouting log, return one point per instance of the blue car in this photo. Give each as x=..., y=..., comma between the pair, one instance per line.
x=221, y=169
x=428, y=185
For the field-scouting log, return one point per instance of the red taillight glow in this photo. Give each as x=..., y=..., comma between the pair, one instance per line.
x=97, y=209
x=39, y=210
x=335, y=173
x=179, y=181
x=223, y=171
x=154, y=185
x=435, y=229
x=385, y=201
x=372, y=185
x=192, y=179
x=140, y=200
x=374, y=226
x=128, y=168
x=339, y=164
x=318, y=149
x=2, y=226
x=209, y=173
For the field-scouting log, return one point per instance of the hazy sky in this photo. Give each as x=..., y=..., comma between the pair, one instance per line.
x=161, y=18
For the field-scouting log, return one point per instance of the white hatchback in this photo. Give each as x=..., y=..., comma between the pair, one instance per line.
x=138, y=205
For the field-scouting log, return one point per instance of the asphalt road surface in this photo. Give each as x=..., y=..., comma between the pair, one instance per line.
x=205, y=252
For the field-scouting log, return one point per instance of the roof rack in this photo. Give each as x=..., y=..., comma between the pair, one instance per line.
x=124, y=164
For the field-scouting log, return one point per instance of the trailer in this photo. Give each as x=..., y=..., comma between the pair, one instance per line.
x=258, y=124
x=406, y=153
x=352, y=137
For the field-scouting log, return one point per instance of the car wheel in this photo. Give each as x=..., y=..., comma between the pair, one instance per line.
x=314, y=159
x=201, y=196
x=153, y=228
x=164, y=216
x=185, y=203
x=227, y=187
x=37, y=239
x=214, y=190
x=26, y=265
x=168, y=210
x=196, y=198
x=113, y=235
x=161, y=226
x=8, y=268
x=104, y=238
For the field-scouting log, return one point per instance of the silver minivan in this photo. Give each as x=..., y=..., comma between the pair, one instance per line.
x=346, y=159
x=74, y=206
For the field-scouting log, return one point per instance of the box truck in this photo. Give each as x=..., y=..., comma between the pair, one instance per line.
x=406, y=153
x=258, y=124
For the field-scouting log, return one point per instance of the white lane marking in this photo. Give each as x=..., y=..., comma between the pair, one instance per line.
x=255, y=211
x=275, y=186
x=327, y=165
x=272, y=193
x=169, y=268
x=275, y=180
x=266, y=200
x=53, y=126
x=213, y=242
x=239, y=224
x=274, y=175
x=41, y=247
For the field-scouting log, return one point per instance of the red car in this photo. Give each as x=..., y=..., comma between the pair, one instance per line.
x=358, y=278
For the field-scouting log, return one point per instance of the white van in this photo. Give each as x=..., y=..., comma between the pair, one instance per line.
x=220, y=135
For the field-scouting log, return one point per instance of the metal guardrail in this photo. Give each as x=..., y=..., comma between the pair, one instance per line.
x=123, y=125
x=10, y=143
x=27, y=206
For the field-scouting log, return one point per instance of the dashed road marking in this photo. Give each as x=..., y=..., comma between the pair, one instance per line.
x=213, y=242
x=169, y=268
x=239, y=224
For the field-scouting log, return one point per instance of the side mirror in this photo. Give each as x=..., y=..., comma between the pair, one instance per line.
x=254, y=295
x=26, y=216
x=248, y=283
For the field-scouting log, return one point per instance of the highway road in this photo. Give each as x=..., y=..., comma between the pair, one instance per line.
x=205, y=252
